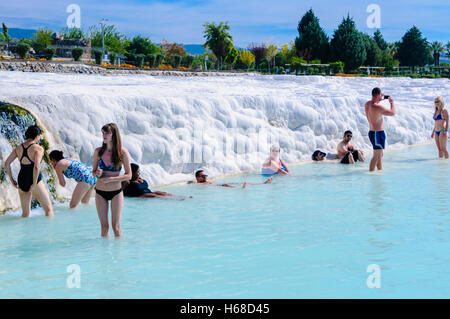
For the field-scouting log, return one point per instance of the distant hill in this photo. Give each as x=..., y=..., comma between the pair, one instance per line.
x=21, y=33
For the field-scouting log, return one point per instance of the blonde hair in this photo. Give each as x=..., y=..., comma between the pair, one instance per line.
x=274, y=147
x=440, y=99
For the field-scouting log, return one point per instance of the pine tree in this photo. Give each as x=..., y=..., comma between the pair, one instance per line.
x=347, y=45
x=312, y=42
x=414, y=49
x=372, y=50
x=378, y=37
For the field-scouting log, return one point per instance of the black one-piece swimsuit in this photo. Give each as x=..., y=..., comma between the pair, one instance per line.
x=25, y=178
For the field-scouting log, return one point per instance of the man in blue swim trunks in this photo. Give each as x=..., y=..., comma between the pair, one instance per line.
x=377, y=136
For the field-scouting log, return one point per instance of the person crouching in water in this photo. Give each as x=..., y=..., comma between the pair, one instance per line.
x=274, y=164
x=346, y=151
x=66, y=167
x=138, y=187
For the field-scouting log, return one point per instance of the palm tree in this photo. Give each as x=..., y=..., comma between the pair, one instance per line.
x=437, y=48
x=218, y=39
x=447, y=49
x=5, y=33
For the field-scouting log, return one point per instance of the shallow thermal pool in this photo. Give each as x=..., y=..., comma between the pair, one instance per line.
x=310, y=235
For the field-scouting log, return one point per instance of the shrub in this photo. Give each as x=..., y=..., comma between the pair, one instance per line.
x=98, y=54
x=49, y=53
x=77, y=53
x=140, y=60
x=22, y=50
x=113, y=58
x=159, y=59
x=150, y=59
x=187, y=61
x=337, y=66
x=176, y=61
x=130, y=58
x=316, y=61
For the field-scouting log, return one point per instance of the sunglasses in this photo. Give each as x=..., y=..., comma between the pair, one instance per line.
x=436, y=102
x=275, y=151
x=349, y=135
x=204, y=176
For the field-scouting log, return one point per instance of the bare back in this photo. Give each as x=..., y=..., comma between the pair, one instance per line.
x=374, y=114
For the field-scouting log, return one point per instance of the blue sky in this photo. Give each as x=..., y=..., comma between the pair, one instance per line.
x=250, y=20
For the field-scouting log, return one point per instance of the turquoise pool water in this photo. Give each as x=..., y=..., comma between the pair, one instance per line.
x=311, y=235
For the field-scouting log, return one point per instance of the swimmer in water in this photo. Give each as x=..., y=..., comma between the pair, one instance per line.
x=274, y=164
x=66, y=167
x=138, y=187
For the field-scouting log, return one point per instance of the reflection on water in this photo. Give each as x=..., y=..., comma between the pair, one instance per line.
x=440, y=180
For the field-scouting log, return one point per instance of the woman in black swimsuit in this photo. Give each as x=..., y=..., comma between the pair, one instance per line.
x=106, y=165
x=29, y=181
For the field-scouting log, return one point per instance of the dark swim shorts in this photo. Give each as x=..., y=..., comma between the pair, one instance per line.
x=345, y=159
x=378, y=139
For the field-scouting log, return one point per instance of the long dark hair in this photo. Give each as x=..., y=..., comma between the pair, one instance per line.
x=117, y=154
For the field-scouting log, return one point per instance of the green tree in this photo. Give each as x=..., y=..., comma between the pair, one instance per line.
x=447, y=49
x=6, y=35
x=41, y=39
x=143, y=45
x=414, y=49
x=231, y=56
x=378, y=37
x=437, y=48
x=217, y=39
x=312, y=42
x=114, y=41
x=347, y=45
x=372, y=50
x=176, y=61
x=385, y=59
x=187, y=61
x=72, y=33
x=288, y=52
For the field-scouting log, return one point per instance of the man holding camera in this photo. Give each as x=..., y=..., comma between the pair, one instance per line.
x=374, y=114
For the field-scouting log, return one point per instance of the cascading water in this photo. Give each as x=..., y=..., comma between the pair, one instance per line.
x=173, y=125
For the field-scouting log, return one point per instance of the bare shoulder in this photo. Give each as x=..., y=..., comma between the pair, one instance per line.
x=125, y=152
x=97, y=150
x=38, y=148
x=445, y=112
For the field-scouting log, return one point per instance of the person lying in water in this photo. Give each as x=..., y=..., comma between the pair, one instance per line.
x=274, y=164
x=79, y=172
x=202, y=178
x=320, y=156
x=138, y=187
x=346, y=151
